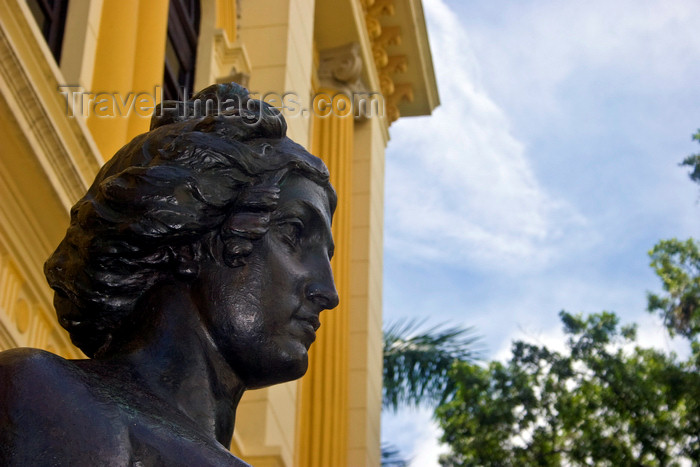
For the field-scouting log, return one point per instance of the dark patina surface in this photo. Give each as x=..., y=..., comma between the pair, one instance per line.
x=195, y=267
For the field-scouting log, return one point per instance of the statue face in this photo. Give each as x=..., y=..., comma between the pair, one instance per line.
x=263, y=316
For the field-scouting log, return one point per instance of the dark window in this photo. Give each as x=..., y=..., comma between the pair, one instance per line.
x=50, y=15
x=181, y=48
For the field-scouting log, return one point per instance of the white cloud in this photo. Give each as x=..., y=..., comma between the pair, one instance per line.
x=652, y=334
x=461, y=177
x=598, y=86
x=428, y=449
x=415, y=433
x=553, y=338
x=542, y=44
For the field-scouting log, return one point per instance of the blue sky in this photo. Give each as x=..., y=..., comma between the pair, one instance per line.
x=547, y=173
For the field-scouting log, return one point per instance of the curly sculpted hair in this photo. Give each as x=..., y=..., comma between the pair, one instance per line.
x=210, y=168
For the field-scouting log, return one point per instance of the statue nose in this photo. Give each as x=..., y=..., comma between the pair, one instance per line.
x=323, y=295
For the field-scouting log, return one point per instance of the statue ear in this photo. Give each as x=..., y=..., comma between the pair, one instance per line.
x=185, y=259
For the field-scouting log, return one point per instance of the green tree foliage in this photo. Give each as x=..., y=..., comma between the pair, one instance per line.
x=677, y=263
x=693, y=161
x=602, y=402
x=417, y=364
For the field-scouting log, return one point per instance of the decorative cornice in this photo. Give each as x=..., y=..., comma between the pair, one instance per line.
x=402, y=91
x=397, y=64
x=382, y=7
x=374, y=26
x=390, y=35
x=386, y=84
x=387, y=66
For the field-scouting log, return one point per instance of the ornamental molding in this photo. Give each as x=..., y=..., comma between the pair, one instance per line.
x=24, y=322
x=340, y=69
x=232, y=62
x=387, y=65
x=62, y=156
x=63, y=145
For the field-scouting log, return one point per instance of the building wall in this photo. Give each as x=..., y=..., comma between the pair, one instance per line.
x=51, y=151
x=365, y=329
x=46, y=161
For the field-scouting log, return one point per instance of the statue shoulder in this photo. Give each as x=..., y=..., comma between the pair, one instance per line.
x=53, y=408
x=27, y=372
x=24, y=367
x=46, y=404
x=27, y=356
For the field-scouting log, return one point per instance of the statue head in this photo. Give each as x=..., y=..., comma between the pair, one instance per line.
x=202, y=187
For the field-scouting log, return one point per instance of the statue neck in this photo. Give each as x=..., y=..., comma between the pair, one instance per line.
x=175, y=359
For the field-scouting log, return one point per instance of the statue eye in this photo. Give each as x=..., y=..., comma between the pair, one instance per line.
x=291, y=230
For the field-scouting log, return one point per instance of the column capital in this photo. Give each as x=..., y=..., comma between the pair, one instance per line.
x=340, y=68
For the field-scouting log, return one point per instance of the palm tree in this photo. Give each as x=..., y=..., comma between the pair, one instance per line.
x=417, y=364
x=391, y=457
x=416, y=368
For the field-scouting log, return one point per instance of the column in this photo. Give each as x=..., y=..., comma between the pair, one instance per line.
x=129, y=61
x=324, y=408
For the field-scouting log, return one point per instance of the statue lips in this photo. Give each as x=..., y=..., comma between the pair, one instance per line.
x=309, y=323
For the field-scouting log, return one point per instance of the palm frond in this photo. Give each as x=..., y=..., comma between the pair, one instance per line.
x=391, y=456
x=416, y=364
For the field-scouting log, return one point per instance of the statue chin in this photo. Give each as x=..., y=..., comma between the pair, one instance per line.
x=283, y=373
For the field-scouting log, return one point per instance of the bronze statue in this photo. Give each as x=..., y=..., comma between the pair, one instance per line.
x=195, y=267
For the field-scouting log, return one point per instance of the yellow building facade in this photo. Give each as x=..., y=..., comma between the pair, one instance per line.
x=80, y=78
